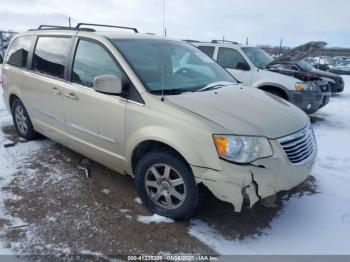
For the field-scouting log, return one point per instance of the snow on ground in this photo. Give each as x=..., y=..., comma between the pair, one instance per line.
x=9, y=157
x=138, y=200
x=154, y=219
x=311, y=224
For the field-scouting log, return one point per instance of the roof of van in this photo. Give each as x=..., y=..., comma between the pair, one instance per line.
x=109, y=34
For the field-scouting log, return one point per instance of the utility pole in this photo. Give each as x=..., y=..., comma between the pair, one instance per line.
x=2, y=44
x=280, y=50
x=69, y=22
x=246, y=41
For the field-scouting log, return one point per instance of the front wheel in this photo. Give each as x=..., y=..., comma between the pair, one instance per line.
x=166, y=185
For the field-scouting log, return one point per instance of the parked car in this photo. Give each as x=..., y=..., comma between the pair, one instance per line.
x=336, y=82
x=340, y=66
x=1, y=61
x=323, y=86
x=159, y=110
x=248, y=65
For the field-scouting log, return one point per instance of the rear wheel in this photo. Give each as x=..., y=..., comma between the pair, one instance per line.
x=21, y=120
x=166, y=185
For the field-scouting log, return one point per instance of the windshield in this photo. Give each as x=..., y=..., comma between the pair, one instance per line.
x=304, y=65
x=171, y=65
x=258, y=56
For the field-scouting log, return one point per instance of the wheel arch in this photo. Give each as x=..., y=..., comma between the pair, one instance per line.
x=274, y=88
x=12, y=98
x=149, y=145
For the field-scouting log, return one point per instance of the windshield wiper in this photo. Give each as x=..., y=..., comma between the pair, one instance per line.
x=173, y=91
x=215, y=85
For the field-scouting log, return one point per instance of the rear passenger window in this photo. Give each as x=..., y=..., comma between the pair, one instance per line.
x=50, y=55
x=19, y=50
x=92, y=60
x=208, y=50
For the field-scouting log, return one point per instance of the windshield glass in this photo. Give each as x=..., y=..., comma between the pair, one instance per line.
x=171, y=65
x=258, y=56
x=305, y=66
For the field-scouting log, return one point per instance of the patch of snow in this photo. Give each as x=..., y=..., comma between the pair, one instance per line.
x=311, y=224
x=9, y=159
x=91, y=253
x=138, y=200
x=123, y=210
x=106, y=191
x=154, y=219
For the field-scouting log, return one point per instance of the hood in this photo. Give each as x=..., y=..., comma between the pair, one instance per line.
x=244, y=111
x=303, y=76
x=300, y=52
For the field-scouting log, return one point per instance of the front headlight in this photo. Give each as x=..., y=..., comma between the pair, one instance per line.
x=242, y=149
x=310, y=86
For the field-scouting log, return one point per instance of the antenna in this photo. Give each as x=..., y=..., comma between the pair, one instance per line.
x=162, y=69
x=163, y=19
x=162, y=51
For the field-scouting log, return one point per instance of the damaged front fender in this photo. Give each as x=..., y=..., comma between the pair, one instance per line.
x=235, y=188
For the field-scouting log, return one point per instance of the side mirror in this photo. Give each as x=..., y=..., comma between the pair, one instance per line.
x=243, y=66
x=109, y=84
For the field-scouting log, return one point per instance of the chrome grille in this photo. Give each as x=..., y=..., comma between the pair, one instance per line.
x=299, y=146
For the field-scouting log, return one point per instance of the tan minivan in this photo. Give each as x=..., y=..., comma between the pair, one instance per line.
x=159, y=110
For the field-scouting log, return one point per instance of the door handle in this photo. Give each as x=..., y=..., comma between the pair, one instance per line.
x=72, y=96
x=56, y=91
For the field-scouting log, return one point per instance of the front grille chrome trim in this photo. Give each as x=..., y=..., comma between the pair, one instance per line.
x=300, y=146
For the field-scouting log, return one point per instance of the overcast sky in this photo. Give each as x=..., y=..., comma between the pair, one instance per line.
x=262, y=21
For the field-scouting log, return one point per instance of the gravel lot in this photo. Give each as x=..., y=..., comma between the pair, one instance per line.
x=49, y=206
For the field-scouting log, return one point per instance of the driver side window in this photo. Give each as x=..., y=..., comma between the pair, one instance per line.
x=92, y=60
x=230, y=58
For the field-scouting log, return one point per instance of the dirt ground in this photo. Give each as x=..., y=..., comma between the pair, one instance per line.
x=65, y=212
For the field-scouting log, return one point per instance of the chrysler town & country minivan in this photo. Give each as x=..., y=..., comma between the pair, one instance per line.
x=159, y=110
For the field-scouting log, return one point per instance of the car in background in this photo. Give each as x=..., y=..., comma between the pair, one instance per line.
x=249, y=65
x=1, y=61
x=335, y=81
x=323, y=85
x=339, y=65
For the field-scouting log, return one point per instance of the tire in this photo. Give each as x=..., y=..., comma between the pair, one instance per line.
x=21, y=120
x=155, y=188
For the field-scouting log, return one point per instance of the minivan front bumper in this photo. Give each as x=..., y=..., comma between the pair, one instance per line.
x=263, y=178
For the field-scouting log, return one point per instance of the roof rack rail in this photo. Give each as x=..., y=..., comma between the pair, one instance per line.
x=224, y=41
x=114, y=26
x=191, y=41
x=58, y=27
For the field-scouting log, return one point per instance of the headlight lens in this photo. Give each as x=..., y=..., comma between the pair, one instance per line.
x=242, y=149
x=310, y=86
x=299, y=86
